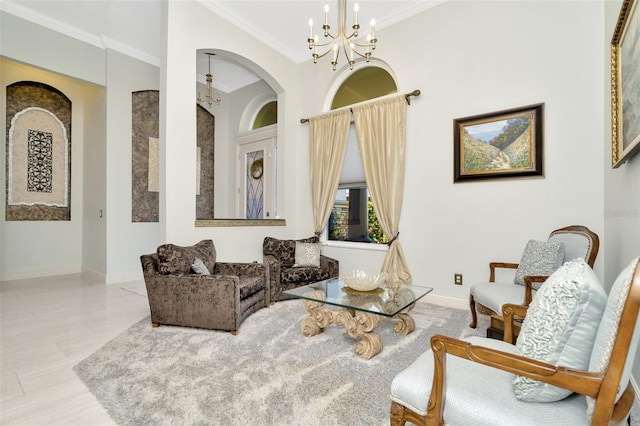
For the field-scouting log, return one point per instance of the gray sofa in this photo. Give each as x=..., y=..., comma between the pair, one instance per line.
x=220, y=300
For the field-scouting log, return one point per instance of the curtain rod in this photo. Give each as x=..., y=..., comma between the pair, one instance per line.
x=407, y=96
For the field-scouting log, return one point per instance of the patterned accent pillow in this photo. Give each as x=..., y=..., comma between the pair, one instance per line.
x=173, y=259
x=539, y=258
x=560, y=327
x=199, y=267
x=608, y=330
x=307, y=255
x=284, y=250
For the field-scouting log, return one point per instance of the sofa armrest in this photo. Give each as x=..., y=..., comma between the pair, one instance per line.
x=505, y=265
x=331, y=265
x=207, y=301
x=273, y=273
x=149, y=264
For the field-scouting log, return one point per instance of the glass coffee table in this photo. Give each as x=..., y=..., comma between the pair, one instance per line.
x=361, y=312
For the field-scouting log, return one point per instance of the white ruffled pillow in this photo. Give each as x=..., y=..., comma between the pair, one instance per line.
x=560, y=327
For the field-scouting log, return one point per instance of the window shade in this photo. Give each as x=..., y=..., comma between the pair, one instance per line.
x=352, y=170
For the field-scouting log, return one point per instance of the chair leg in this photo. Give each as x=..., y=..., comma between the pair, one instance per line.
x=154, y=324
x=396, y=417
x=474, y=315
x=234, y=332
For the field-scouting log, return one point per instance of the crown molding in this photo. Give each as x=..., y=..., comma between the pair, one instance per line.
x=125, y=49
x=101, y=41
x=226, y=13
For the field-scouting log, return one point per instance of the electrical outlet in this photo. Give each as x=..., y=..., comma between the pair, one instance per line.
x=457, y=279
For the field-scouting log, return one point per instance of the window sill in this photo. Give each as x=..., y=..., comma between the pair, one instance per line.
x=355, y=245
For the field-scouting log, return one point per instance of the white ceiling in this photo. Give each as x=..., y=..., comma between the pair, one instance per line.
x=281, y=24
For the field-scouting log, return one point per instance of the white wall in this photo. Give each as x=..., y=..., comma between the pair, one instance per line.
x=94, y=197
x=40, y=248
x=126, y=240
x=471, y=58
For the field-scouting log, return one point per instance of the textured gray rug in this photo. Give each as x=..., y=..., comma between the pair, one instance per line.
x=266, y=375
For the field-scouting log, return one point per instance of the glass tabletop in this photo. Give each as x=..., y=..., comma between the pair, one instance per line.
x=382, y=301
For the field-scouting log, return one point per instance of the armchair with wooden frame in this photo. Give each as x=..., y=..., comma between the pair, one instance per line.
x=471, y=381
x=489, y=297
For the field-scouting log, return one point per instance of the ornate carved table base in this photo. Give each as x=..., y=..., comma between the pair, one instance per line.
x=358, y=324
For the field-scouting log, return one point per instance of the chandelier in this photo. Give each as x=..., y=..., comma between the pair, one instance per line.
x=342, y=41
x=209, y=90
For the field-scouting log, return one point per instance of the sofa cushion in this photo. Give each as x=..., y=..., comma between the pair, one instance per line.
x=539, y=258
x=173, y=258
x=250, y=285
x=284, y=250
x=294, y=275
x=561, y=326
x=307, y=255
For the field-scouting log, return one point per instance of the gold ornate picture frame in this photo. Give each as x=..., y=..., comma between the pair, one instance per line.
x=625, y=84
x=502, y=144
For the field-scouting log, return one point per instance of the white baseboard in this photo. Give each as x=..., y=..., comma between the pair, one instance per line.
x=42, y=272
x=450, y=302
x=93, y=275
x=124, y=277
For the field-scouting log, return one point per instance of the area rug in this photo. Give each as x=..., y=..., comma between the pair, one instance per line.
x=269, y=374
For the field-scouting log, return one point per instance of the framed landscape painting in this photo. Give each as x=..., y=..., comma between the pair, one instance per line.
x=499, y=144
x=625, y=84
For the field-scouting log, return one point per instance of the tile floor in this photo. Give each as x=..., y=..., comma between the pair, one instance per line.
x=48, y=325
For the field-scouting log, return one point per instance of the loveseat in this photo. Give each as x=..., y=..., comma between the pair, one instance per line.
x=187, y=287
x=284, y=274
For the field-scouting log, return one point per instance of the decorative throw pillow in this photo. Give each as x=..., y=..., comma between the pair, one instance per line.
x=199, y=267
x=560, y=327
x=284, y=250
x=307, y=255
x=539, y=258
x=175, y=259
x=609, y=325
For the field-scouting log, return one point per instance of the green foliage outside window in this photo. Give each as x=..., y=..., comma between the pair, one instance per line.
x=375, y=231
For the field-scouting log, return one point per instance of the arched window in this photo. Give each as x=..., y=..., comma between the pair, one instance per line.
x=267, y=115
x=362, y=85
x=353, y=217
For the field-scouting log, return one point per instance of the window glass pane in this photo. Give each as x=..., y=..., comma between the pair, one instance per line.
x=353, y=218
x=364, y=84
x=267, y=115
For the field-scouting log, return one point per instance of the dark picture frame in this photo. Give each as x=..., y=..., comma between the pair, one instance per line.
x=502, y=144
x=625, y=85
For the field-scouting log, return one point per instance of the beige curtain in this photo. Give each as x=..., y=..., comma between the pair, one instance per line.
x=380, y=127
x=328, y=141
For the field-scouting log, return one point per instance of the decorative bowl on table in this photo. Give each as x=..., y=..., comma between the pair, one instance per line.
x=358, y=280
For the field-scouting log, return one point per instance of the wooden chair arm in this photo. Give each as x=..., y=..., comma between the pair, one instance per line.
x=583, y=382
x=528, y=283
x=509, y=314
x=494, y=265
